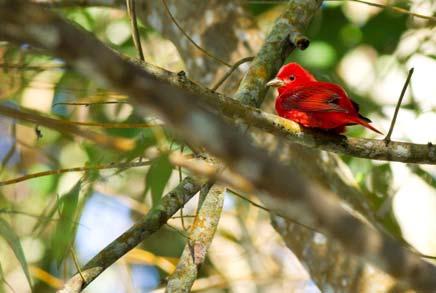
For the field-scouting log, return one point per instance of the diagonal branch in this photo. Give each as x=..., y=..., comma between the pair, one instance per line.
x=200, y=237
x=357, y=147
x=374, y=149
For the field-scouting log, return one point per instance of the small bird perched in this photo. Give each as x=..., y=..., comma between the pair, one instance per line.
x=313, y=103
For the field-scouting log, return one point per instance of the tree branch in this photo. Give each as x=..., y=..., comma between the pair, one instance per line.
x=76, y=169
x=374, y=149
x=117, y=143
x=200, y=237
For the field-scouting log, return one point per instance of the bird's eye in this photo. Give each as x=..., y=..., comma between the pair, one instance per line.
x=292, y=78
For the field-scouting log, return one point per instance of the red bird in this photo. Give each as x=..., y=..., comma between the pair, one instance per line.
x=313, y=103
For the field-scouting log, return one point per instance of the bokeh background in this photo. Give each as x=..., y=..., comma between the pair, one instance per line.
x=58, y=218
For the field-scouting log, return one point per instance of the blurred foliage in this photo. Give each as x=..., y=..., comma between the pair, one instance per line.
x=64, y=232
x=30, y=79
x=8, y=233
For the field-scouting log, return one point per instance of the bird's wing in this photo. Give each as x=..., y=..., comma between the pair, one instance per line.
x=312, y=99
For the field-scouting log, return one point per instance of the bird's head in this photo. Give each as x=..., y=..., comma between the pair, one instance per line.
x=289, y=76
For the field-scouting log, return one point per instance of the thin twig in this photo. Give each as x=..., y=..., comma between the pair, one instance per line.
x=382, y=6
x=387, y=139
x=178, y=231
x=393, y=8
x=118, y=143
x=89, y=103
x=112, y=125
x=72, y=3
x=76, y=264
x=233, y=68
x=6, y=66
x=272, y=212
x=75, y=169
x=190, y=39
x=131, y=9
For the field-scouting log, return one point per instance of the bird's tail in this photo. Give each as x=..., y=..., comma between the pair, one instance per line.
x=365, y=122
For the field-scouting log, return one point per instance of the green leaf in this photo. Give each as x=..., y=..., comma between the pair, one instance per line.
x=384, y=40
x=12, y=239
x=157, y=178
x=65, y=228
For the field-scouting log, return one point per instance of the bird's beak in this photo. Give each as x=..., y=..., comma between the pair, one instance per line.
x=275, y=83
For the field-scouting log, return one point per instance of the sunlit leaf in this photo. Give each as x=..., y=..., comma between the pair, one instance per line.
x=83, y=18
x=12, y=239
x=229, y=236
x=157, y=177
x=65, y=228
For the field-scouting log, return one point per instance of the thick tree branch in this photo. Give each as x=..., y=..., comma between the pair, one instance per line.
x=284, y=36
x=287, y=190
x=374, y=149
x=200, y=237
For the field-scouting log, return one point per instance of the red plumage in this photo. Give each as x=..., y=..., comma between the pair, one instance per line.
x=313, y=103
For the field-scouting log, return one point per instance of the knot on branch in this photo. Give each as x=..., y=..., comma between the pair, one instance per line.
x=300, y=41
x=181, y=76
